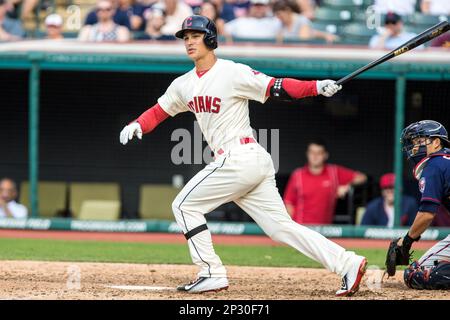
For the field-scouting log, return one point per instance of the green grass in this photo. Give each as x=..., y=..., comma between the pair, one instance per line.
x=150, y=253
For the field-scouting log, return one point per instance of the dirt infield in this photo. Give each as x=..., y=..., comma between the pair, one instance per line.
x=61, y=280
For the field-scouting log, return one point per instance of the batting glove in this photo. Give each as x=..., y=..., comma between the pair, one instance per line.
x=131, y=130
x=327, y=88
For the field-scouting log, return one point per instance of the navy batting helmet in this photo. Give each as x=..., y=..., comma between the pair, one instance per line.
x=203, y=24
x=422, y=129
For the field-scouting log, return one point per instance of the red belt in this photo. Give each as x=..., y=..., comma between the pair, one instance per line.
x=242, y=141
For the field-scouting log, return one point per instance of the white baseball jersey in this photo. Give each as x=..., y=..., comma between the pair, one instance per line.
x=219, y=100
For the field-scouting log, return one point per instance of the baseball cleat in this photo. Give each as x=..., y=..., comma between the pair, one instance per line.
x=204, y=284
x=351, y=281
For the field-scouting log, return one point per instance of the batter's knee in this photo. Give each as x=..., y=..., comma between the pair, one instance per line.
x=436, y=277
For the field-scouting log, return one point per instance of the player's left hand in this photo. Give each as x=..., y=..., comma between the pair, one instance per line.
x=131, y=130
x=327, y=88
x=399, y=253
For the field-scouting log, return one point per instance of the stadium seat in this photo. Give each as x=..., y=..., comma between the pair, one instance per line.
x=343, y=4
x=300, y=41
x=414, y=29
x=359, y=215
x=333, y=15
x=255, y=40
x=100, y=210
x=80, y=192
x=420, y=19
x=326, y=27
x=357, y=32
x=156, y=201
x=52, y=197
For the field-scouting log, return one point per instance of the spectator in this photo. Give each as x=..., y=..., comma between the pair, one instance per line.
x=393, y=36
x=380, y=211
x=295, y=25
x=194, y=4
x=401, y=7
x=441, y=41
x=307, y=8
x=176, y=12
x=120, y=17
x=53, y=25
x=241, y=8
x=10, y=29
x=135, y=13
x=435, y=7
x=258, y=24
x=105, y=29
x=312, y=191
x=210, y=10
x=225, y=8
x=147, y=4
x=9, y=208
x=156, y=18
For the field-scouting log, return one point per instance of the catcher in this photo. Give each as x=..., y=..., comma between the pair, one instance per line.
x=426, y=145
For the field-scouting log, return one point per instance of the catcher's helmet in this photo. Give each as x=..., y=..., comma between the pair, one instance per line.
x=426, y=129
x=203, y=24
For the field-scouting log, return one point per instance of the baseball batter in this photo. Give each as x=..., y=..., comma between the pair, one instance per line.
x=217, y=91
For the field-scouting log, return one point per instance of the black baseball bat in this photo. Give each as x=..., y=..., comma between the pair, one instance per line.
x=425, y=36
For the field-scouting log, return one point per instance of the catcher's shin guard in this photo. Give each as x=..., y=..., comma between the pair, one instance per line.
x=429, y=278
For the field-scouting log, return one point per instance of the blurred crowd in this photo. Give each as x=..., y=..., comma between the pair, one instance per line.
x=278, y=20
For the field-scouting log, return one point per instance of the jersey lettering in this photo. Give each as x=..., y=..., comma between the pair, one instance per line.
x=216, y=105
x=205, y=104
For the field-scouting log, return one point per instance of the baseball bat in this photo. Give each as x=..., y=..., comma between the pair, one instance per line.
x=425, y=36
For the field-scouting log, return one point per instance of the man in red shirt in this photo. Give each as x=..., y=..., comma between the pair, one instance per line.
x=312, y=191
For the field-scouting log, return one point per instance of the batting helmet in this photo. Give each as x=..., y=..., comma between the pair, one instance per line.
x=425, y=129
x=203, y=24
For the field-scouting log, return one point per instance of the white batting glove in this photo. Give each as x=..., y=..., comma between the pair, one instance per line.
x=131, y=130
x=327, y=88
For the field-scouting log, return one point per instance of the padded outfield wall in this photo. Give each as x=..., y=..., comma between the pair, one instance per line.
x=64, y=104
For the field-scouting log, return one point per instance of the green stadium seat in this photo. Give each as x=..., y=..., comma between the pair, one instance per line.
x=420, y=19
x=326, y=27
x=300, y=41
x=255, y=40
x=156, y=201
x=333, y=15
x=100, y=210
x=80, y=192
x=414, y=29
x=357, y=32
x=343, y=4
x=52, y=197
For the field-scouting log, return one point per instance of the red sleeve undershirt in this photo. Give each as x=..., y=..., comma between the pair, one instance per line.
x=296, y=88
x=151, y=118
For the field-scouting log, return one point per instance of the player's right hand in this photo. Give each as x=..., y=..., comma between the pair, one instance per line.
x=131, y=130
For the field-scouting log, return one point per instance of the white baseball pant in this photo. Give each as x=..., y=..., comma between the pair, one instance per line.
x=440, y=251
x=246, y=176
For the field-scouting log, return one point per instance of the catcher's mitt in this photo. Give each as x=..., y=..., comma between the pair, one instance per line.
x=398, y=255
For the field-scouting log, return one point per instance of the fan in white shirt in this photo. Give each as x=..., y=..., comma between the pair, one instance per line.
x=401, y=7
x=9, y=208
